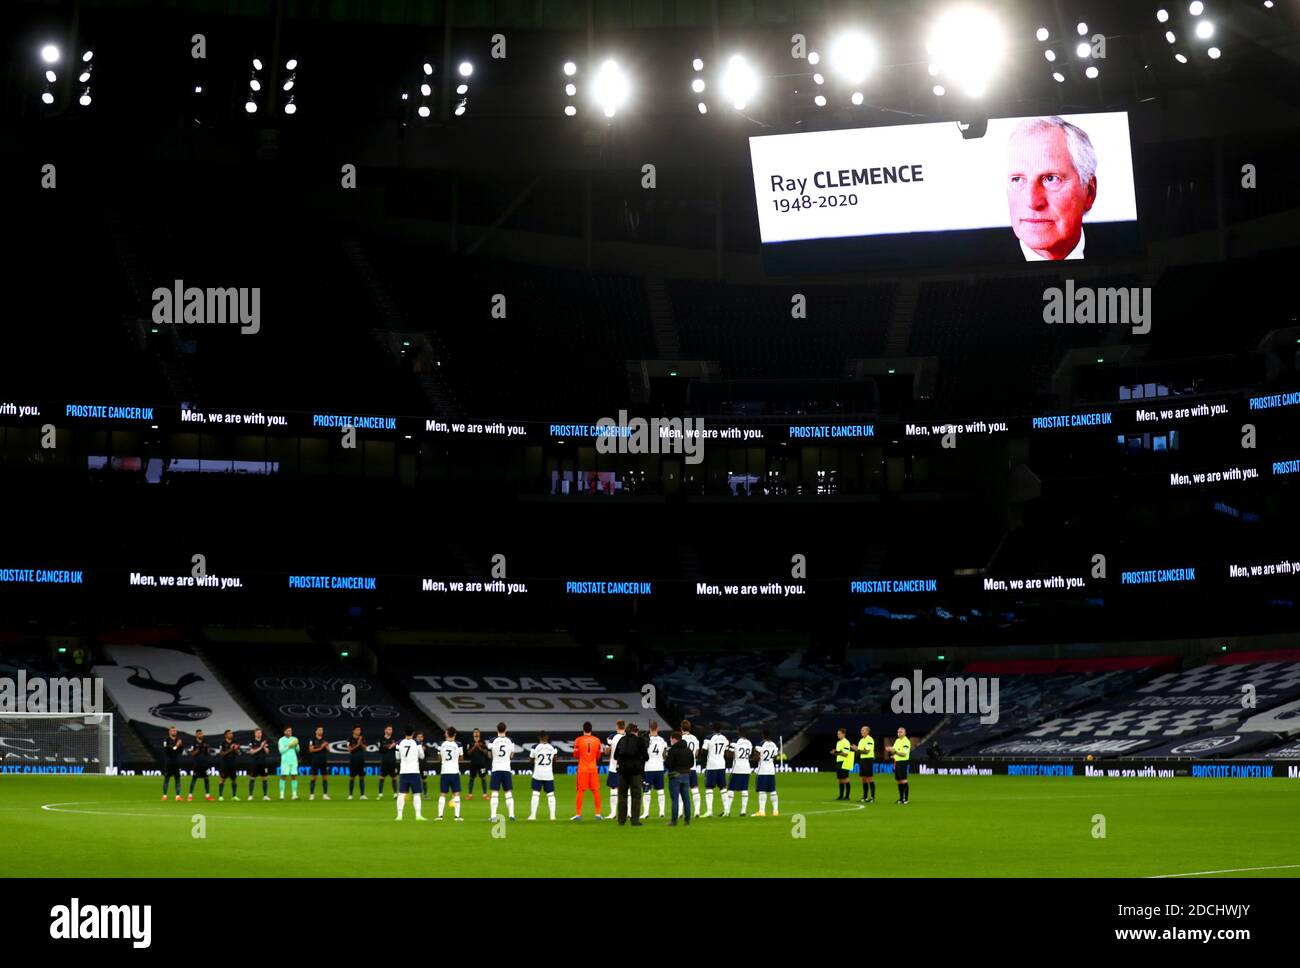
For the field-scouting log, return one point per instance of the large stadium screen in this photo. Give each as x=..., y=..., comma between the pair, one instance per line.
x=1027, y=190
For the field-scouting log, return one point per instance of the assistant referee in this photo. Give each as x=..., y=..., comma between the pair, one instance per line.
x=902, y=753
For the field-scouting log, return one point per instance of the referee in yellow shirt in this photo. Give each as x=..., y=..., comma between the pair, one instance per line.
x=901, y=751
x=843, y=762
x=867, y=765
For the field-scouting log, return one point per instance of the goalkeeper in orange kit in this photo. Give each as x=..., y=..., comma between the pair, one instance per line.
x=587, y=748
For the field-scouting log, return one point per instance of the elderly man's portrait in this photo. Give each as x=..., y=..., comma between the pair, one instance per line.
x=1051, y=185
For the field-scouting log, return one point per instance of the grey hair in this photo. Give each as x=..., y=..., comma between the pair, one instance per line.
x=1077, y=142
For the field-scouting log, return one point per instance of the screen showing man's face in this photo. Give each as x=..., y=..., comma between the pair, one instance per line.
x=1046, y=198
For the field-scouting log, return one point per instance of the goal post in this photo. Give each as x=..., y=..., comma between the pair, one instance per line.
x=56, y=743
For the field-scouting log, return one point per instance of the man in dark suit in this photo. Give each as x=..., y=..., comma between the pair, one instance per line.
x=631, y=754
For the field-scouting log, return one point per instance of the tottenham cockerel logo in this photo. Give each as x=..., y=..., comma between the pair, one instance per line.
x=178, y=709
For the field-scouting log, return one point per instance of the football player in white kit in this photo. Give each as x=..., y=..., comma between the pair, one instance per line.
x=502, y=779
x=715, y=766
x=619, y=728
x=656, y=746
x=449, y=777
x=543, y=755
x=741, y=769
x=693, y=744
x=767, y=754
x=409, y=755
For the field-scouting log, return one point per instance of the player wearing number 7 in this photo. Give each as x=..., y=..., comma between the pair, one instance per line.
x=409, y=755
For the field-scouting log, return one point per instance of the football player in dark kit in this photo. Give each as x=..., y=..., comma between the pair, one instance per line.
x=259, y=749
x=199, y=754
x=227, y=764
x=172, y=747
x=426, y=763
x=387, y=760
x=356, y=762
x=479, y=756
x=318, y=748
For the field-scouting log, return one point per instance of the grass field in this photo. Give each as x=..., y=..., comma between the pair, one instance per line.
x=954, y=826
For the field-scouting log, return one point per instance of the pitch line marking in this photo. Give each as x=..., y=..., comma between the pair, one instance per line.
x=1229, y=870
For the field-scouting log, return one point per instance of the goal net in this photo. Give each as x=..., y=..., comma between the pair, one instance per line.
x=56, y=743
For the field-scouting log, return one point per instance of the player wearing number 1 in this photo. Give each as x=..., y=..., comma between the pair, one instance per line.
x=409, y=756
x=289, y=760
x=502, y=779
x=587, y=749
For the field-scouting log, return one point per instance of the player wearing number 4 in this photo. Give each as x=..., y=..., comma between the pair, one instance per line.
x=543, y=755
x=767, y=754
x=656, y=746
x=502, y=779
x=410, y=781
x=449, y=780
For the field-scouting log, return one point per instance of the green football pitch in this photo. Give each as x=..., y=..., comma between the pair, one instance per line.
x=954, y=826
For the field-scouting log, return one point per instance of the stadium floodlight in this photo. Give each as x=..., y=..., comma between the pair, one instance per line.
x=571, y=89
x=857, y=98
x=83, y=77
x=428, y=68
x=1050, y=55
x=1180, y=58
x=1196, y=8
x=853, y=56
x=933, y=69
x=1092, y=72
x=820, y=100
x=702, y=108
x=570, y=110
x=84, y=100
x=425, y=90
x=50, y=54
x=939, y=90
x=288, y=85
x=1169, y=36
x=460, y=109
x=1084, y=49
x=969, y=44
x=255, y=85
x=290, y=107
x=198, y=89
x=47, y=98
x=1081, y=28
x=465, y=69
x=1058, y=77
x=88, y=56
x=814, y=58
x=739, y=82
x=1214, y=53
x=250, y=106
x=1042, y=33
x=422, y=110
x=257, y=63
x=610, y=87
x=464, y=88
x=291, y=64
x=51, y=76
x=697, y=64
x=570, y=68
x=1162, y=15
x=697, y=85
x=819, y=79
x=1204, y=29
